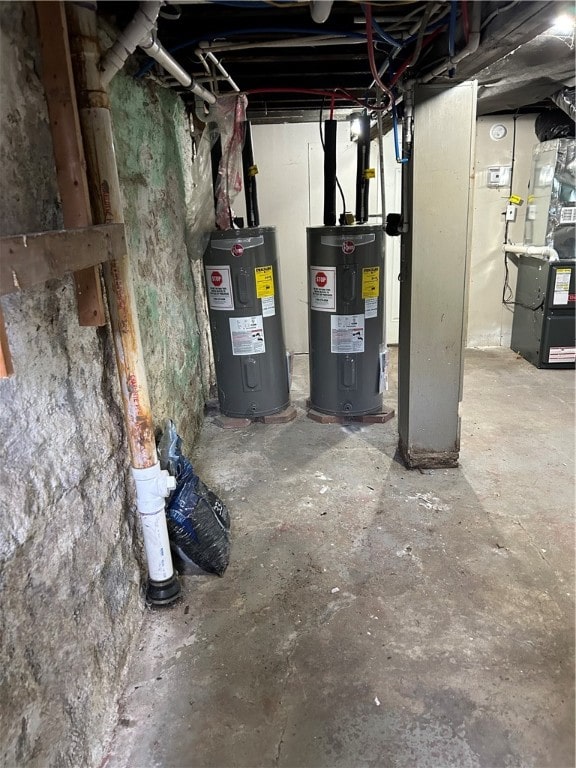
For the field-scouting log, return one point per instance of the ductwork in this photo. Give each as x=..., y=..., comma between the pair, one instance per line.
x=564, y=98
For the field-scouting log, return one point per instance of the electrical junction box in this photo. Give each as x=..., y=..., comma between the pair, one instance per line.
x=511, y=212
x=499, y=176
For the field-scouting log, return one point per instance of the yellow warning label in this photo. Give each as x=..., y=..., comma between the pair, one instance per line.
x=515, y=200
x=369, y=173
x=370, y=282
x=264, y=282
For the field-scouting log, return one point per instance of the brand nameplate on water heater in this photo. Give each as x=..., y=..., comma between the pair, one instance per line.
x=244, y=242
x=323, y=289
x=219, y=284
x=345, y=242
x=347, y=334
x=247, y=335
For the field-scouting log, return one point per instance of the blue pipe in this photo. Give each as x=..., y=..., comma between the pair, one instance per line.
x=399, y=159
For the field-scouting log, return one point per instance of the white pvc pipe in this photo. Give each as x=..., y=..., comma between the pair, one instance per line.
x=471, y=47
x=156, y=51
x=320, y=10
x=295, y=42
x=546, y=251
x=139, y=33
x=153, y=486
x=138, y=30
x=223, y=72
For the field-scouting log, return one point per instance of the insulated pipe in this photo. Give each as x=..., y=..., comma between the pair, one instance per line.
x=330, y=127
x=546, y=251
x=250, y=171
x=152, y=485
x=320, y=10
x=215, y=158
x=362, y=163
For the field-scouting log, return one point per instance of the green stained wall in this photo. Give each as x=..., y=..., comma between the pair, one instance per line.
x=154, y=155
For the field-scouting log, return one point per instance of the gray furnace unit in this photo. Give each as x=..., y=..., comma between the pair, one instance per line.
x=243, y=296
x=346, y=304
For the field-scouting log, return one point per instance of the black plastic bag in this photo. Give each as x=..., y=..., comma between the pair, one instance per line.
x=198, y=521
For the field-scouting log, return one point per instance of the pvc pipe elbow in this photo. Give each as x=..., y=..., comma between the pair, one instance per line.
x=153, y=485
x=138, y=30
x=545, y=251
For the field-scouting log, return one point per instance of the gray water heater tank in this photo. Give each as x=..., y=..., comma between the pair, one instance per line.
x=346, y=306
x=242, y=285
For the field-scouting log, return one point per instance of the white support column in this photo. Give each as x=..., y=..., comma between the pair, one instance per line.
x=434, y=274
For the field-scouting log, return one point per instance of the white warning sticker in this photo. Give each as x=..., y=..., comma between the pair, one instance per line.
x=562, y=355
x=347, y=334
x=562, y=286
x=323, y=289
x=268, y=306
x=219, y=284
x=247, y=335
x=370, y=308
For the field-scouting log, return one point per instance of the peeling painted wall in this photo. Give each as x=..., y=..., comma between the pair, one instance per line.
x=70, y=568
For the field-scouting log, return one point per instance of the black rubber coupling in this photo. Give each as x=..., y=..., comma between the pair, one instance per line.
x=163, y=592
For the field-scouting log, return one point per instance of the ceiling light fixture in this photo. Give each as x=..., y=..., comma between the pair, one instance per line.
x=563, y=25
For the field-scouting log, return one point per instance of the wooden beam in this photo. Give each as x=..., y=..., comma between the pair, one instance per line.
x=6, y=368
x=27, y=260
x=60, y=93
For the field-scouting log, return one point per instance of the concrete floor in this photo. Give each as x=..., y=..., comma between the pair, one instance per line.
x=451, y=639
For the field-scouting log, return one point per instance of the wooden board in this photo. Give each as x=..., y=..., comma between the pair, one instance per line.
x=6, y=368
x=27, y=260
x=58, y=82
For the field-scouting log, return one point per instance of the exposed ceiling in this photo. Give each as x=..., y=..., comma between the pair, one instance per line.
x=275, y=51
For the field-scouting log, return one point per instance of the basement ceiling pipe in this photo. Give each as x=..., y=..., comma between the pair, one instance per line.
x=152, y=484
x=139, y=29
x=320, y=10
x=469, y=48
x=546, y=251
x=295, y=42
x=140, y=33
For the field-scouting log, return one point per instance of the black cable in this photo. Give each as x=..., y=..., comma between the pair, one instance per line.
x=324, y=149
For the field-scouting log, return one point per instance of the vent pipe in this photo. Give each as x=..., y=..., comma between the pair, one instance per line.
x=330, y=173
x=250, y=170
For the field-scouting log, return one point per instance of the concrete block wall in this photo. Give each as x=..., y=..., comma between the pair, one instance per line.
x=70, y=556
